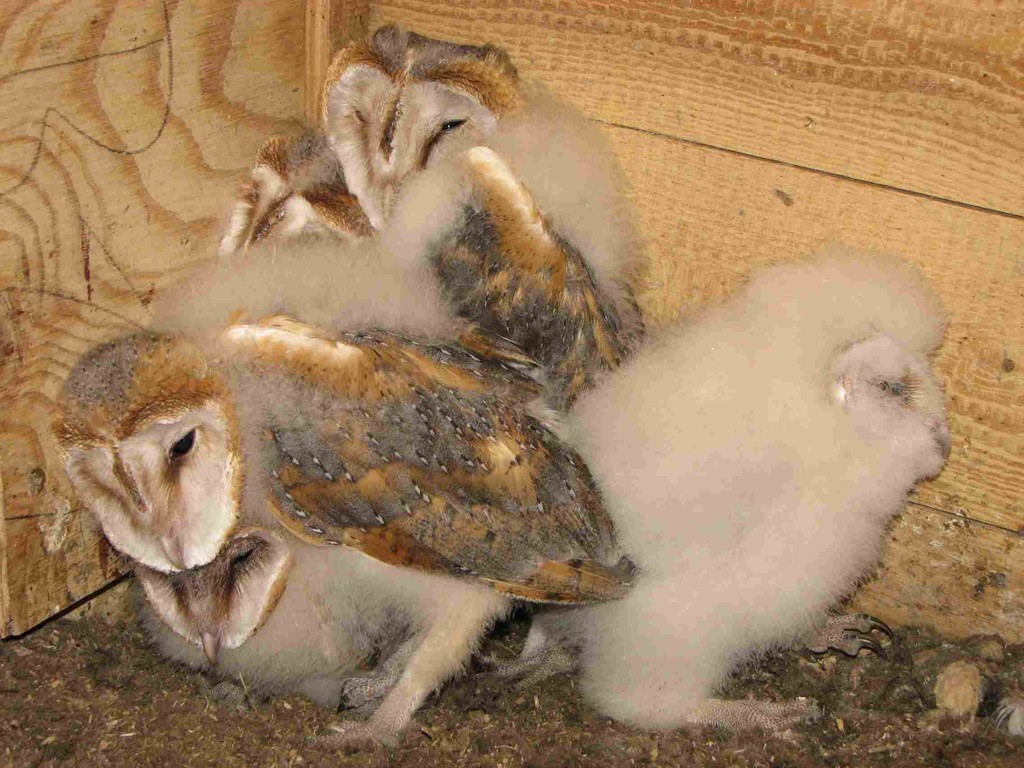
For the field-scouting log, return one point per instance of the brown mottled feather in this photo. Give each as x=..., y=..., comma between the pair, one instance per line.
x=503, y=267
x=304, y=168
x=424, y=456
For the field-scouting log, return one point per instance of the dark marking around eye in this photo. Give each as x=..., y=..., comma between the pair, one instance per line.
x=446, y=127
x=242, y=557
x=388, y=137
x=183, y=445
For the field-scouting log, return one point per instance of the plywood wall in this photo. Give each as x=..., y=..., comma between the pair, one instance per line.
x=752, y=132
x=125, y=129
x=755, y=132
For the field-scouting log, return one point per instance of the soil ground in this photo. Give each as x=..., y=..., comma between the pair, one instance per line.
x=92, y=693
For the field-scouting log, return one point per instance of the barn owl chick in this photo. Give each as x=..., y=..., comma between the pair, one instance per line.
x=394, y=103
x=416, y=451
x=751, y=461
x=512, y=196
x=283, y=616
x=224, y=602
x=296, y=186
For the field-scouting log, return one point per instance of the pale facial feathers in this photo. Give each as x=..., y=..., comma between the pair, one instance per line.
x=336, y=617
x=150, y=447
x=569, y=169
x=222, y=604
x=394, y=104
x=751, y=461
x=296, y=187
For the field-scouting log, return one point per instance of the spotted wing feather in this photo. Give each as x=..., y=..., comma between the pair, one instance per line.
x=425, y=456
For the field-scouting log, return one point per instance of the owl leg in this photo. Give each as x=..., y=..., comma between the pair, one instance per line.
x=540, y=658
x=442, y=652
x=770, y=716
x=849, y=634
x=360, y=694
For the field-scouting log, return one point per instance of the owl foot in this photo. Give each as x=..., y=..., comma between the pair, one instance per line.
x=849, y=634
x=230, y=693
x=356, y=733
x=362, y=694
x=770, y=716
x=533, y=665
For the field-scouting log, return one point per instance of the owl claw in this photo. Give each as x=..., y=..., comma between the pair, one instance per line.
x=850, y=634
x=853, y=643
x=358, y=733
x=531, y=668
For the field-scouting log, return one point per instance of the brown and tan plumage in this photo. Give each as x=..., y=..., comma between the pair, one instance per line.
x=296, y=186
x=418, y=453
x=550, y=272
x=503, y=266
x=425, y=457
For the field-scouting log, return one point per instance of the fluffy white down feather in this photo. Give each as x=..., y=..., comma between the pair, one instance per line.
x=346, y=286
x=338, y=610
x=741, y=489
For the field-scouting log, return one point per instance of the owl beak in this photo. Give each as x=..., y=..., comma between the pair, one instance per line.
x=211, y=647
x=174, y=551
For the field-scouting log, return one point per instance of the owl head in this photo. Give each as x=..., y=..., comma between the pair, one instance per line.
x=296, y=186
x=399, y=102
x=892, y=397
x=222, y=604
x=149, y=441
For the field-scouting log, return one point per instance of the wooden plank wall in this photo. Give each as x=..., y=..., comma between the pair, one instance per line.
x=125, y=130
x=757, y=131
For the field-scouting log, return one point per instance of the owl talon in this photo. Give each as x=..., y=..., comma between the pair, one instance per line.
x=533, y=667
x=356, y=733
x=850, y=634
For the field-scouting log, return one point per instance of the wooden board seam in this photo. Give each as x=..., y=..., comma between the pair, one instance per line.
x=812, y=169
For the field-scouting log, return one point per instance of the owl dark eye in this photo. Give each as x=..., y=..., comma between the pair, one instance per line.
x=451, y=125
x=183, y=445
x=242, y=557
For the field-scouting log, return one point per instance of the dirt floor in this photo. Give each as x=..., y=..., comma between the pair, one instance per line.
x=89, y=692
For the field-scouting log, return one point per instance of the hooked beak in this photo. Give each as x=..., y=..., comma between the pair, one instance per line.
x=174, y=551
x=211, y=647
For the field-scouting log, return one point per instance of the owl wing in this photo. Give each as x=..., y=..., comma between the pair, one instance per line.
x=503, y=267
x=424, y=456
x=295, y=185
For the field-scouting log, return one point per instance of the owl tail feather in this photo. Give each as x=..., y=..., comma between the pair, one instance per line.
x=573, y=582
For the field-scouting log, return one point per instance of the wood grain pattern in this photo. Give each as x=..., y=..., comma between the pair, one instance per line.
x=925, y=95
x=712, y=217
x=958, y=577
x=126, y=129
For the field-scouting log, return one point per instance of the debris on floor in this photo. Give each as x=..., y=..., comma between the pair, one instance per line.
x=92, y=693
